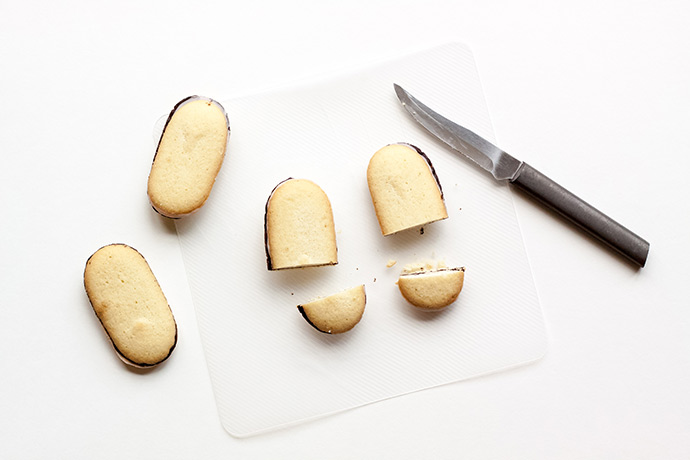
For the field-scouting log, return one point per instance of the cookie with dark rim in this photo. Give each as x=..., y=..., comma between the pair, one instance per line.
x=336, y=313
x=299, y=230
x=188, y=157
x=404, y=188
x=130, y=305
x=432, y=289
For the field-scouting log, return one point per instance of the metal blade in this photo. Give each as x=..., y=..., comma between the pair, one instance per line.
x=500, y=164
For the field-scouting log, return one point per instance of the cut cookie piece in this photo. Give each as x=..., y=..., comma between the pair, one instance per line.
x=299, y=229
x=336, y=313
x=130, y=305
x=432, y=289
x=189, y=156
x=404, y=188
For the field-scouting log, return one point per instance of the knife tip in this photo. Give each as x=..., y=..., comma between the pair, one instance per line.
x=401, y=93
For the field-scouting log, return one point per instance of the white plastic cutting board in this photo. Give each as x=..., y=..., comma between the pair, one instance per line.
x=268, y=366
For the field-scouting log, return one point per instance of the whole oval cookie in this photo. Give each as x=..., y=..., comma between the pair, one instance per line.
x=130, y=305
x=299, y=229
x=336, y=313
x=189, y=156
x=404, y=188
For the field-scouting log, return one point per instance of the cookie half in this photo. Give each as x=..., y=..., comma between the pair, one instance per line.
x=299, y=230
x=404, y=189
x=336, y=313
x=189, y=156
x=130, y=305
x=432, y=289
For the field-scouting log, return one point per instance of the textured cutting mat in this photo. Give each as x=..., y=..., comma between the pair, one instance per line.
x=268, y=367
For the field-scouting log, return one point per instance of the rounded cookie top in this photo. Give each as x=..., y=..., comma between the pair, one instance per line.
x=404, y=189
x=299, y=228
x=432, y=289
x=130, y=304
x=189, y=156
x=336, y=313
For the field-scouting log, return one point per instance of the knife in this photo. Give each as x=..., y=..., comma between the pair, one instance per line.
x=504, y=167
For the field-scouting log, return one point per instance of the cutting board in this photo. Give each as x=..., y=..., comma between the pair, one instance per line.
x=269, y=368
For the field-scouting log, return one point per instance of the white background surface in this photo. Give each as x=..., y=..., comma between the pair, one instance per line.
x=593, y=93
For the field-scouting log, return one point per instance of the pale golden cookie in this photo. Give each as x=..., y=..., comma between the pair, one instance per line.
x=432, y=289
x=299, y=229
x=130, y=305
x=189, y=156
x=404, y=189
x=336, y=313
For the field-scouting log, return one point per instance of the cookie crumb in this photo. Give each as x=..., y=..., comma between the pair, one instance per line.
x=391, y=262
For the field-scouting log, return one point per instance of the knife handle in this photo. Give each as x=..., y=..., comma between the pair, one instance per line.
x=582, y=214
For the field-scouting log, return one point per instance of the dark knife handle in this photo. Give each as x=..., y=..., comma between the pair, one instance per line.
x=582, y=214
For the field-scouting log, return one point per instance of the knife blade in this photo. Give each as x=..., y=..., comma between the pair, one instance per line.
x=505, y=167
